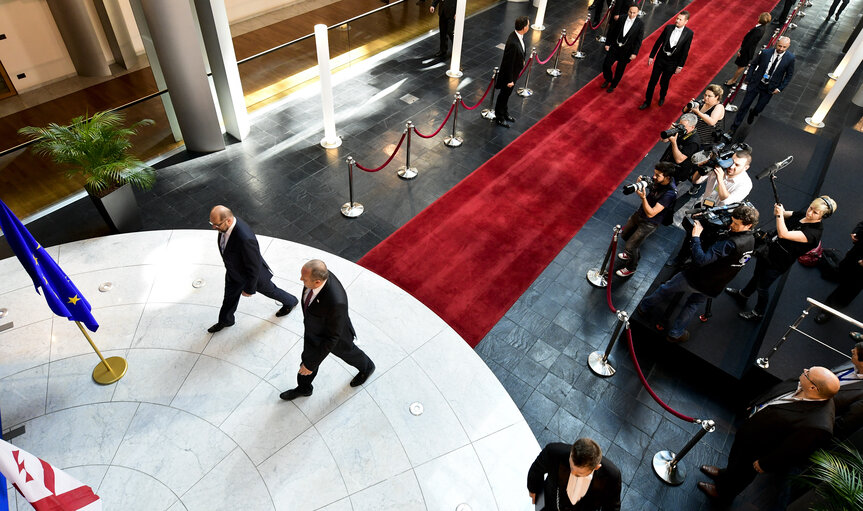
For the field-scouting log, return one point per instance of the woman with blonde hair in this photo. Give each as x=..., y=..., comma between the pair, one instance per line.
x=796, y=234
x=747, y=48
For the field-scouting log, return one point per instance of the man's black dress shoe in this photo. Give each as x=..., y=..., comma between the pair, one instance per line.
x=501, y=122
x=218, y=326
x=361, y=378
x=661, y=101
x=738, y=296
x=290, y=395
x=708, y=489
x=604, y=85
x=509, y=118
x=750, y=315
x=644, y=105
x=610, y=89
x=710, y=471
x=284, y=311
x=822, y=318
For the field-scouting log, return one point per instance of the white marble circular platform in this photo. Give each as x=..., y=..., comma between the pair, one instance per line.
x=197, y=422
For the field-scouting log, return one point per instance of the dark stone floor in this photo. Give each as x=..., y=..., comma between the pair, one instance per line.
x=285, y=185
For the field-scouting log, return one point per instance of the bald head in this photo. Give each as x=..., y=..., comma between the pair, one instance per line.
x=314, y=273
x=825, y=382
x=782, y=44
x=221, y=218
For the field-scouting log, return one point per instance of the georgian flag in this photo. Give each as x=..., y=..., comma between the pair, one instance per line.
x=45, y=487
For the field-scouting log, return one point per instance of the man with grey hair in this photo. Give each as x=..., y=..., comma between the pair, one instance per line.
x=681, y=147
x=770, y=74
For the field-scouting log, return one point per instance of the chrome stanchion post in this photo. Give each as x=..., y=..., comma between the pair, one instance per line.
x=454, y=140
x=525, y=91
x=764, y=362
x=669, y=467
x=601, y=37
x=488, y=113
x=406, y=171
x=598, y=276
x=655, y=2
x=641, y=12
x=351, y=209
x=554, y=71
x=597, y=361
x=578, y=54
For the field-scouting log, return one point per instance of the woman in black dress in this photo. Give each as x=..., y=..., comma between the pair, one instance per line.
x=749, y=46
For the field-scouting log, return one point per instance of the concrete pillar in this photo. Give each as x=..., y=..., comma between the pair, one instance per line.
x=175, y=41
x=79, y=36
x=213, y=20
x=114, y=26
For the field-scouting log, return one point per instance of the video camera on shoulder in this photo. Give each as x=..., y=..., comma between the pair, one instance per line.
x=719, y=154
x=675, y=129
x=717, y=217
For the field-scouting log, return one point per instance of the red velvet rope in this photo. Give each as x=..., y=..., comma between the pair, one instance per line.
x=388, y=159
x=577, y=35
x=604, y=16
x=544, y=62
x=478, y=103
x=441, y=124
x=529, y=61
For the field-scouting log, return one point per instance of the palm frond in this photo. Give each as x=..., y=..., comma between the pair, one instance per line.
x=837, y=477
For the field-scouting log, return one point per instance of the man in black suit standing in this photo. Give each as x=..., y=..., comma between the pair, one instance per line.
x=781, y=432
x=246, y=272
x=622, y=45
x=772, y=71
x=849, y=399
x=446, y=22
x=510, y=66
x=327, y=329
x=670, y=51
x=579, y=477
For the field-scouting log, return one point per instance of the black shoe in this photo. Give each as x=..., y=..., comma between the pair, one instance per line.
x=361, y=378
x=822, y=318
x=644, y=105
x=217, y=327
x=751, y=315
x=738, y=296
x=661, y=101
x=610, y=89
x=708, y=489
x=683, y=337
x=501, y=122
x=509, y=118
x=604, y=85
x=710, y=471
x=290, y=395
x=285, y=310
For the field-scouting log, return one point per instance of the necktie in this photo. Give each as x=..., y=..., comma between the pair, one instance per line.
x=222, y=241
x=845, y=375
x=308, y=300
x=773, y=64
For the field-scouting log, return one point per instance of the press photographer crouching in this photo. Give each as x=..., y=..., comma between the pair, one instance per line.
x=796, y=233
x=657, y=196
x=712, y=268
x=682, y=144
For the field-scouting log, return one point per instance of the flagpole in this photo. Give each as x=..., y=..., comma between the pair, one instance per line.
x=104, y=374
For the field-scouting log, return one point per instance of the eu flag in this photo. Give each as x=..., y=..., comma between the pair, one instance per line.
x=63, y=297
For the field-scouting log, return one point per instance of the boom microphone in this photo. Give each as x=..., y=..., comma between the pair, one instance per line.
x=776, y=167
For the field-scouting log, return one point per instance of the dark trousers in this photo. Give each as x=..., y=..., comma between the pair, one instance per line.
x=664, y=295
x=786, y=8
x=737, y=475
x=635, y=231
x=662, y=73
x=610, y=58
x=834, y=5
x=765, y=275
x=850, y=283
x=501, y=111
x=758, y=90
x=447, y=29
x=233, y=291
x=347, y=351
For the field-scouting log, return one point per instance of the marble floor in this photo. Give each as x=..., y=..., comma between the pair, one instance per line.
x=197, y=423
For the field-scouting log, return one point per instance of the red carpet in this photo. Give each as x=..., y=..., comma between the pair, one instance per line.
x=473, y=252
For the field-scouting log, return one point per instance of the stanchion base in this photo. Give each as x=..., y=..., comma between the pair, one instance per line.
x=742, y=86
x=488, y=114
x=453, y=141
x=792, y=26
x=814, y=124
x=524, y=92
x=454, y=74
x=596, y=277
x=352, y=210
x=407, y=173
x=801, y=14
x=331, y=144
x=763, y=363
x=731, y=108
x=601, y=39
x=598, y=366
x=553, y=72
x=537, y=27
x=642, y=14
x=673, y=475
x=578, y=55
x=103, y=376
x=832, y=76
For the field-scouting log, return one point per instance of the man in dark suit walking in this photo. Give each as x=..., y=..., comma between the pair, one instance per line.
x=670, y=51
x=771, y=73
x=446, y=22
x=327, y=329
x=849, y=399
x=579, y=477
x=510, y=66
x=622, y=45
x=246, y=272
x=781, y=432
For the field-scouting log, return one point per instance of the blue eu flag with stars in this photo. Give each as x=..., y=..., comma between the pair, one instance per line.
x=63, y=297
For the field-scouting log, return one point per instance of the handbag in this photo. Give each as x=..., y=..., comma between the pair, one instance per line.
x=811, y=258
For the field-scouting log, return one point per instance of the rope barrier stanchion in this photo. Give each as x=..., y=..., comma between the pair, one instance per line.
x=488, y=113
x=525, y=91
x=351, y=209
x=598, y=361
x=607, y=19
x=655, y=2
x=553, y=53
x=641, y=12
x=478, y=103
x=454, y=140
x=598, y=276
x=406, y=171
x=451, y=108
x=578, y=54
x=555, y=71
x=764, y=362
x=669, y=466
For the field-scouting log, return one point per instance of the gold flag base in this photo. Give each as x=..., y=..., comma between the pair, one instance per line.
x=105, y=376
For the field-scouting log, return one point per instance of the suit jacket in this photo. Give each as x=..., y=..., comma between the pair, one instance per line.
x=750, y=42
x=849, y=410
x=512, y=62
x=678, y=53
x=604, y=490
x=631, y=42
x=780, y=77
x=447, y=9
x=242, y=257
x=326, y=323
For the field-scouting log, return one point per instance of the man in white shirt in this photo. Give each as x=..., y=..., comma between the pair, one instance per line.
x=622, y=45
x=670, y=51
x=728, y=186
x=511, y=65
x=768, y=76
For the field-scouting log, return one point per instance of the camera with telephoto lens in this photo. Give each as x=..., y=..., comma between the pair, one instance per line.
x=718, y=217
x=675, y=129
x=719, y=154
x=644, y=184
x=692, y=104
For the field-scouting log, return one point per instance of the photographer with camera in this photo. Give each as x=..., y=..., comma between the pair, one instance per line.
x=656, y=198
x=712, y=269
x=710, y=112
x=796, y=234
x=682, y=144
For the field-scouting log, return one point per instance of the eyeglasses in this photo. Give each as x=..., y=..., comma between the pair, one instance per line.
x=218, y=224
x=806, y=374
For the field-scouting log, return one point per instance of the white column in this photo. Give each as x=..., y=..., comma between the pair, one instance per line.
x=847, y=58
x=540, y=15
x=458, y=36
x=855, y=56
x=330, y=140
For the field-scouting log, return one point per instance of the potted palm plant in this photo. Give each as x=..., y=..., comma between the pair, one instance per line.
x=98, y=149
x=836, y=478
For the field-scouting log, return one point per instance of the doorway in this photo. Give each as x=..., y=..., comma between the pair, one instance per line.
x=6, y=87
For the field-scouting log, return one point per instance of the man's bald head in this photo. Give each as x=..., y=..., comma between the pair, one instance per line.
x=783, y=43
x=826, y=383
x=221, y=218
x=316, y=270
